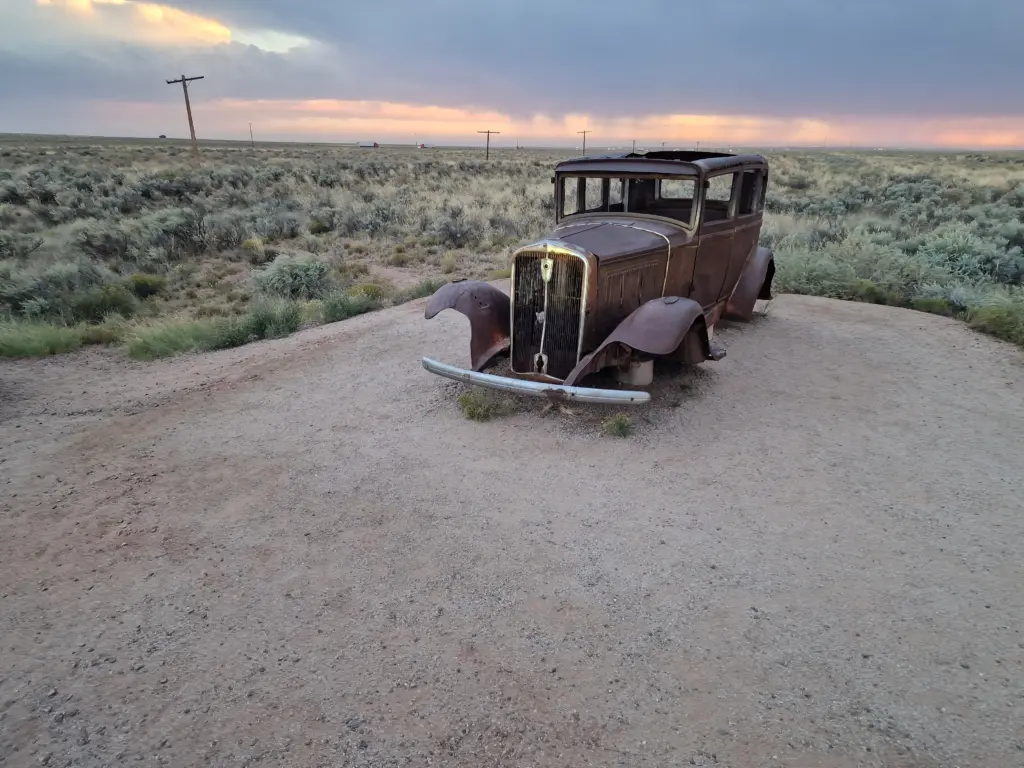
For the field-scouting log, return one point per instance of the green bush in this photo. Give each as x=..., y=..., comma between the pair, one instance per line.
x=293, y=277
x=1004, y=320
x=341, y=307
x=369, y=290
x=935, y=305
x=144, y=286
x=40, y=289
x=99, y=303
x=173, y=337
x=33, y=339
x=272, y=319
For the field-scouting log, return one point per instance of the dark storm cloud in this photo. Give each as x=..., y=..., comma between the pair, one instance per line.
x=654, y=56
x=765, y=57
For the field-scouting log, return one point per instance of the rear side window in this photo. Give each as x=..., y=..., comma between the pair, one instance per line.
x=720, y=188
x=750, y=192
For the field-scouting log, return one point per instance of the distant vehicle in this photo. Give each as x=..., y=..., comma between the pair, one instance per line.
x=649, y=252
x=162, y=136
x=368, y=144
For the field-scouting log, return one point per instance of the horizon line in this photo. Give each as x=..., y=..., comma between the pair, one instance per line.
x=873, y=147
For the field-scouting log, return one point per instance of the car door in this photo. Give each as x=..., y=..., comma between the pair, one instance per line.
x=714, y=252
x=746, y=225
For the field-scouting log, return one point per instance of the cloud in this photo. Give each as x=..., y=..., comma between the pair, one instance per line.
x=78, y=24
x=333, y=120
x=670, y=67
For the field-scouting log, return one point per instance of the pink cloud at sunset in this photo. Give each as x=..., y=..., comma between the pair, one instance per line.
x=339, y=120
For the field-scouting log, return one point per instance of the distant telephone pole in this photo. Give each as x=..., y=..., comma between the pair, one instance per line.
x=188, y=108
x=584, y=140
x=487, y=156
x=252, y=141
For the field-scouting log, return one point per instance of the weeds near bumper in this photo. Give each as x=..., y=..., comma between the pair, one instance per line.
x=619, y=425
x=479, y=406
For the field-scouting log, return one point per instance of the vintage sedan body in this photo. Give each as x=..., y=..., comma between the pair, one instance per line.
x=649, y=251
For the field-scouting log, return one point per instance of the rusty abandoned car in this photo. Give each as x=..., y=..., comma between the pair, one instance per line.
x=648, y=253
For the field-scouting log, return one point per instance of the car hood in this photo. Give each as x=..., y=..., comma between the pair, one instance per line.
x=608, y=239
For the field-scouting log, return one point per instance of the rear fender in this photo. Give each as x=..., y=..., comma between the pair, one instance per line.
x=755, y=283
x=488, y=310
x=670, y=326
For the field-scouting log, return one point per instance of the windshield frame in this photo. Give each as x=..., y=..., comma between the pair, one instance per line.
x=563, y=218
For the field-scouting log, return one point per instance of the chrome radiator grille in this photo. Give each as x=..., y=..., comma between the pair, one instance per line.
x=556, y=324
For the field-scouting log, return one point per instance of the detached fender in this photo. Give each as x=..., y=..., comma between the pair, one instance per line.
x=488, y=310
x=755, y=283
x=665, y=327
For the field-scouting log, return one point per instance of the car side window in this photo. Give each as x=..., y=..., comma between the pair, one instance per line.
x=570, y=196
x=717, y=196
x=750, y=193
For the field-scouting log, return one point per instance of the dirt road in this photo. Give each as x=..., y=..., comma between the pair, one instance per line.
x=300, y=553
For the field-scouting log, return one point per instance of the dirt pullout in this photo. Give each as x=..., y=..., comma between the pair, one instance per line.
x=300, y=553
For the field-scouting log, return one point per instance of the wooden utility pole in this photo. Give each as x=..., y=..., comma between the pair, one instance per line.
x=488, y=155
x=188, y=108
x=584, y=140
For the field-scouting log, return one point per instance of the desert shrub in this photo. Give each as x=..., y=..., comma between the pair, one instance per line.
x=95, y=305
x=961, y=253
x=813, y=273
x=227, y=230
x=374, y=291
x=341, y=306
x=293, y=277
x=104, y=241
x=1003, y=319
x=323, y=220
x=935, y=305
x=110, y=331
x=16, y=245
x=272, y=319
x=22, y=338
x=277, y=224
x=449, y=263
x=168, y=338
x=144, y=286
x=457, y=230
x=39, y=288
x=618, y=425
x=180, y=232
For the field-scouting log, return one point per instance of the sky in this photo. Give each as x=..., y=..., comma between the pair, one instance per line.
x=907, y=73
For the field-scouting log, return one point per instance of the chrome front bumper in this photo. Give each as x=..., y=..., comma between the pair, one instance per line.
x=536, y=388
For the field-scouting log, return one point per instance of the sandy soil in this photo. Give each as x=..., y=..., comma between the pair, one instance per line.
x=300, y=553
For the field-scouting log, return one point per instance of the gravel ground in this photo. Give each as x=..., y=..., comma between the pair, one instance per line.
x=300, y=553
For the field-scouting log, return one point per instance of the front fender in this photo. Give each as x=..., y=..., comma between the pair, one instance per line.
x=660, y=328
x=488, y=310
x=755, y=283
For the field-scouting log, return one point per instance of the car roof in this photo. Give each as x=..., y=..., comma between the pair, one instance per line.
x=667, y=163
